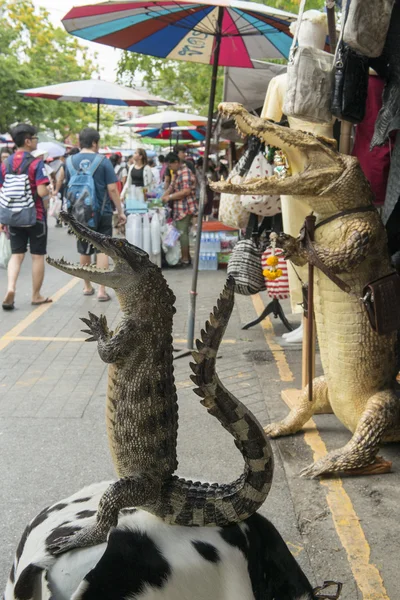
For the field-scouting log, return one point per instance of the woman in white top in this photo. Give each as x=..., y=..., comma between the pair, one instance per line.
x=140, y=176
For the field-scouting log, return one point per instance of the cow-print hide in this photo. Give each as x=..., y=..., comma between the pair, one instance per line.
x=145, y=559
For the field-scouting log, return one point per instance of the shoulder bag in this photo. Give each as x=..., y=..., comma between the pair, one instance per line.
x=367, y=26
x=350, y=81
x=263, y=205
x=245, y=262
x=309, y=81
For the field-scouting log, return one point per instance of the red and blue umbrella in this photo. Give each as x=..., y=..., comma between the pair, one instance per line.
x=175, y=134
x=186, y=30
x=227, y=33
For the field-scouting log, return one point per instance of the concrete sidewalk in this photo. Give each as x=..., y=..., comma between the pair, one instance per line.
x=53, y=439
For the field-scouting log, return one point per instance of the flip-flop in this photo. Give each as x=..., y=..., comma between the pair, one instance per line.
x=105, y=298
x=89, y=293
x=45, y=301
x=6, y=306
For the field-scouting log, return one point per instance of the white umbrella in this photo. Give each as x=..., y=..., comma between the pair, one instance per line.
x=95, y=91
x=53, y=149
x=167, y=120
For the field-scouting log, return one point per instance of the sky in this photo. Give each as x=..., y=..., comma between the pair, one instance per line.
x=107, y=57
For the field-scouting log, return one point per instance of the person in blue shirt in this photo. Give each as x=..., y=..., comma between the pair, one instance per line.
x=105, y=182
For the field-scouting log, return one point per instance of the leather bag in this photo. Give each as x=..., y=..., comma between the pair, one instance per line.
x=350, y=83
x=381, y=299
x=367, y=25
x=309, y=81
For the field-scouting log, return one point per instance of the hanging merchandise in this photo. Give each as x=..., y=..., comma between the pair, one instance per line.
x=5, y=250
x=350, y=82
x=266, y=205
x=245, y=263
x=278, y=287
x=309, y=81
x=231, y=212
x=367, y=24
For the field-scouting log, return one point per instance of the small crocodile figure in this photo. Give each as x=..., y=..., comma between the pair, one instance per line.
x=359, y=365
x=142, y=409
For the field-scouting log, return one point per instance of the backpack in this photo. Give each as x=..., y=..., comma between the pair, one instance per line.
x=82, y=201
x=17, y=205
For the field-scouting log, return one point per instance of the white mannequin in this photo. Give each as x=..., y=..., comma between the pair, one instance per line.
x=313, y=31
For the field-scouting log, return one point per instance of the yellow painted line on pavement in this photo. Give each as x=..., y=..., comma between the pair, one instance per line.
x=344, y=516
x=277, y=350
x=8, y=337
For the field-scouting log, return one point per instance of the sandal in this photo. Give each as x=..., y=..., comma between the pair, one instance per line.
x=89, y=293
x=40, y=302
x=105, y=298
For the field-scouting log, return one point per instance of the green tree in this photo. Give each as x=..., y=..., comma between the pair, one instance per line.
x=160, y=76
x=34, y=53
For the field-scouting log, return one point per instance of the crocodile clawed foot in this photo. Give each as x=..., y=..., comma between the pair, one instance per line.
x=274, y=430
x=98, y=327
x=88, y=536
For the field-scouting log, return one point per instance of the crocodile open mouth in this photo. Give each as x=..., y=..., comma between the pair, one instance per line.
x=100, y=242
x=312, y=162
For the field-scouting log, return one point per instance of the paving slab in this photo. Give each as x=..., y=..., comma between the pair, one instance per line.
x=53, y=438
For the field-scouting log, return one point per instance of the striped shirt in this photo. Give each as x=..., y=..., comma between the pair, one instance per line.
x=36, y=174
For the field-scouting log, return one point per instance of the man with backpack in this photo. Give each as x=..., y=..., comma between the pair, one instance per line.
x=91, y=185
x=23, y=185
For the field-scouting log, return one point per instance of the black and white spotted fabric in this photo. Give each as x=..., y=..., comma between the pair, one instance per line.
x=145, y=559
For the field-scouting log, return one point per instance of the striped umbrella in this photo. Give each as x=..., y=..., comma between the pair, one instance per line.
x=184, y=30
x=197, y=134
x=95, y=91
x=226, y=33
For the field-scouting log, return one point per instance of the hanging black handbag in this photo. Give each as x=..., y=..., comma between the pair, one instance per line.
x=350, y=85
x=350, y=80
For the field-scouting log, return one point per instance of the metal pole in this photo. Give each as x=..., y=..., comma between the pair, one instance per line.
x=98, y=115
x=193, y=291
x=310, y=226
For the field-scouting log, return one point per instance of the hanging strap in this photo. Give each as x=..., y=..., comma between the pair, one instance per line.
x=317, y=262
x=296, y=33
x=343, y=213
x=342, y=24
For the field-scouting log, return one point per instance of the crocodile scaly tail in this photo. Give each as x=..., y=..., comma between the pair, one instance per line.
x=206, y=504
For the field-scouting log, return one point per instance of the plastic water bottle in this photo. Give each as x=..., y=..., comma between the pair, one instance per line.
x=146, y=234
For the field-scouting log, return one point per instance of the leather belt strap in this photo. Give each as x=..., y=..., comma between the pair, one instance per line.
x=317, y=262
x=348, y=211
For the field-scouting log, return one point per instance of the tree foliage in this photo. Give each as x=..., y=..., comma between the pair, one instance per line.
x=185, y=82
x=34, y=53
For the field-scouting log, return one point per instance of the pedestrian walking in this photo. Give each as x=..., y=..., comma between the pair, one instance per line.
x=182, y=195
x=23, y=183
x=91, y=185
x=140, y=177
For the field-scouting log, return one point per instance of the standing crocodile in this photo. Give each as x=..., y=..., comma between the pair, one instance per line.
x=142, y=409
x=359, y=365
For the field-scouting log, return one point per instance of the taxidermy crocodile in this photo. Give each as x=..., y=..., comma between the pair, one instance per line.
x=359, y=365
x=142, y=409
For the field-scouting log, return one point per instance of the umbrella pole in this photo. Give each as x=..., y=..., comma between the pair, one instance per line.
x=98, y=115
x=193, y=291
